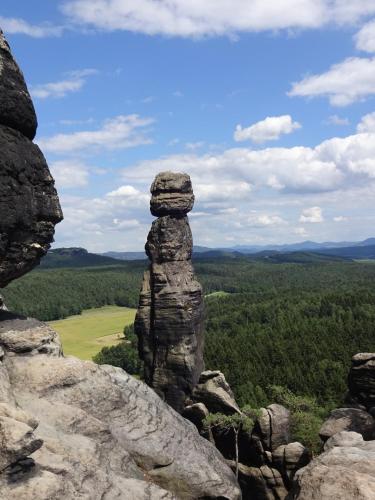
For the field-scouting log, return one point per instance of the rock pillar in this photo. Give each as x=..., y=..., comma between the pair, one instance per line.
x=169, y=321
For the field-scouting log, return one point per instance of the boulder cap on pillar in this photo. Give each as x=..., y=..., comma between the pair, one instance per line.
x=16, y=107
x=172, y=194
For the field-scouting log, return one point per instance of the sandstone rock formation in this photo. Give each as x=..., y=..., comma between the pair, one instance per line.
x=345, y=471
x=348, y=419
x=93, y=432
x=362, y=380
x=169, y=321
x=215, y=393
x=29, y=205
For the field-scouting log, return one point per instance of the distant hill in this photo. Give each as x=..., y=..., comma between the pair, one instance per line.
x=75, y=257
x=354, y=252
x=304, y=246
x=125, y=255
x=142, y=255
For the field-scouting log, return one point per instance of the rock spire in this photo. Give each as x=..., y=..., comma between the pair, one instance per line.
x=169, y=321
x=29, y=205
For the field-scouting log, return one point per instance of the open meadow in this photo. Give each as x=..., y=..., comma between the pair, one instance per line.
x=86, y=334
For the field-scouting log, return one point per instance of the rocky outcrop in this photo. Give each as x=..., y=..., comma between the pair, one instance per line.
x=348, y=419
x=362, y=380
x=16, y=107
x=169, y=321
x=345, y=471
x=215, y=393
x=72, y=429
x=29, y=205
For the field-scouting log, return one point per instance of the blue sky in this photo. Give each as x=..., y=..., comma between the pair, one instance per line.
x=269, y=106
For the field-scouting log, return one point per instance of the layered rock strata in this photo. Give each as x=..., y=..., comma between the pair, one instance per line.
x=169, y=321
x=29, y=205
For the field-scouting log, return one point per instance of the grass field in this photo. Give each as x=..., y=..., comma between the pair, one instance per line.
x=85, y=335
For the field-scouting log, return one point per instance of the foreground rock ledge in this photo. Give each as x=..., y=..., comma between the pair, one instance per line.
x=98, y=433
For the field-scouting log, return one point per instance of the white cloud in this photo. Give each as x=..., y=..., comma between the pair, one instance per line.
x=344, y=83
x=299, y=169
x=340, y=218
x=264, y=220
x=337, y=120
x=365, y=38
x=130, y=193
x=219, y=191
x=269, y=129
x=73, y=83
x=313, y=214
x=187, y=18
x=69, y=174
x=367, y=123
x=116, y=133
x=18, y=26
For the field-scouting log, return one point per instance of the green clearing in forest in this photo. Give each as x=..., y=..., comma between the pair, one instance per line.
x=86, y=334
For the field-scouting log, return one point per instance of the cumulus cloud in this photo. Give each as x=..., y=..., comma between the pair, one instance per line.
x=116, y=133
x=313, y=214
x=365, y=38
x=269, y=129
x=264, y=220
x=367, y=123
x=69, y=174
x=344, y=83
x=75, y=81
x=186, y=18
x=18, y=26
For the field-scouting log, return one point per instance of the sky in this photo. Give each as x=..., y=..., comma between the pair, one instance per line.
x=268, y=106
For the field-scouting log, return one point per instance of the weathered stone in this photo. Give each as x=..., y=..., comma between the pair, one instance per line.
x=172, y=194
x=215, y=393
x=26, y=335
x=196, y=413
x=362, y=379
x=16, y=108
x=273, y=426
x=17, y=441
x=169, y=321
x=348, y=419
x=105, y=433
x=29, y=205
x=345, y=471
x=262, y=483
x=289, y=458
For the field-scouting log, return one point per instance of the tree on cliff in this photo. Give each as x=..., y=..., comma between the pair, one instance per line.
x=236, y=423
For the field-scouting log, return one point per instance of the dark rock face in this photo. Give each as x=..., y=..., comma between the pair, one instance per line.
x=29, y=205
x=16, y=108
x=169, y=321
x=362, y=379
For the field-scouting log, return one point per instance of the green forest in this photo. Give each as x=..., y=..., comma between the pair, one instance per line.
x=289, y=325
